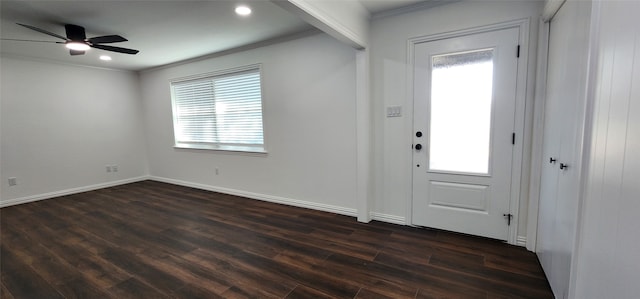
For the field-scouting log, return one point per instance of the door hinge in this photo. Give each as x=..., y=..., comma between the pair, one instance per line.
x=513, y=138
x=509, y=217
x=518, y=52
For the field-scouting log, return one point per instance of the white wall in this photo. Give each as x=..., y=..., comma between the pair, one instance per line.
x=309, y=123
x=608, y=250
x=61, y=124
x=392, y=152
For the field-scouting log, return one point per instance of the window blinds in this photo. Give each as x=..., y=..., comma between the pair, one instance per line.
x=223, y=110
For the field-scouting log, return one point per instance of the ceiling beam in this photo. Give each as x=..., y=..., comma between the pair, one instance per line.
x=347, y=21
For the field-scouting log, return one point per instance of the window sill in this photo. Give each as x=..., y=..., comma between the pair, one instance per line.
x=253, y=150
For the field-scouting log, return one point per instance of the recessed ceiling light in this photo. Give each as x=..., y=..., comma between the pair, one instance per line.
x=243, y=10
x=105, y=57
x=78, y=46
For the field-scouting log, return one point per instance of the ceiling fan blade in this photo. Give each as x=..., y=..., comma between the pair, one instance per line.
x=76, y=52
x=75, y=32
x=115, y=49
x=42, y=31
x=31, y=40
x=107, y=39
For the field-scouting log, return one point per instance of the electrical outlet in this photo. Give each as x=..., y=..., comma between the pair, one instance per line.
x=114, y=168
x=108, y=167
x=13, y=181
x=217, y=171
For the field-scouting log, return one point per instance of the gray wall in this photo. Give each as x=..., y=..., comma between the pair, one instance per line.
x=309, y=121
x=61, y=124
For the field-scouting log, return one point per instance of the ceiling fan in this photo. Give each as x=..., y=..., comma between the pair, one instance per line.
x=77, y=42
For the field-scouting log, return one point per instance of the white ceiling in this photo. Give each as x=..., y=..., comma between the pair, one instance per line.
x=164, y=31
x=377, y=6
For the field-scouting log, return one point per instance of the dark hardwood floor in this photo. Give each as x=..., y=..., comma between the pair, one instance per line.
x=155, y=240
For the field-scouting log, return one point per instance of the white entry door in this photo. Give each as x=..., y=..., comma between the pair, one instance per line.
x=464, y=119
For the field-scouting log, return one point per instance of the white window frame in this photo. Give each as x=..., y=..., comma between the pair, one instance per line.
x=246, y=148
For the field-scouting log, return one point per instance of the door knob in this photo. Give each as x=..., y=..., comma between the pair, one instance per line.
x=418, y=146
x=418, y=134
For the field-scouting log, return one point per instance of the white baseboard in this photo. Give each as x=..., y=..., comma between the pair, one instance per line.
x=388, y=218
x=521, y=241
x=32, y=198
x=263, y=197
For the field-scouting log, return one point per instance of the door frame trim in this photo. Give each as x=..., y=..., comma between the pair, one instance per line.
x=521, y=94
x=537, y=134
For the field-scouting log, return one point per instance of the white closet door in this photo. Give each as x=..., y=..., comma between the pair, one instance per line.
x=562, y=148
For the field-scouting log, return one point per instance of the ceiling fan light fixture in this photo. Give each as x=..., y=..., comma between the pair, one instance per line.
x=243, y=10
x=78, y=46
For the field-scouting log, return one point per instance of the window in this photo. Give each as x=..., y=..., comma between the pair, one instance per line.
x=461, y=99
x=221, y=111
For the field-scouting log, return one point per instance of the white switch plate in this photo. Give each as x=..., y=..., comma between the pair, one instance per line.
x=394, y=111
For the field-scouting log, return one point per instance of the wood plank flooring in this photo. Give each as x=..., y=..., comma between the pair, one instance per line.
x=156, y=240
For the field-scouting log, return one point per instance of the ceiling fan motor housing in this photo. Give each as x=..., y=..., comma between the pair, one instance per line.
x=75, y=33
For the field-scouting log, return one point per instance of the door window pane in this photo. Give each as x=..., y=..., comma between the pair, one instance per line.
x=460, y=128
